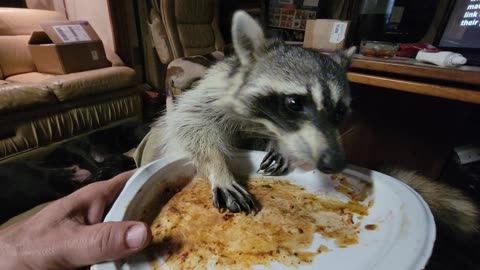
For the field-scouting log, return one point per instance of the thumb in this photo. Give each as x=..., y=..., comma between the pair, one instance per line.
x=110, y=241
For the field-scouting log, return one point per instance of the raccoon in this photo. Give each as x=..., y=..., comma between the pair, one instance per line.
x=292, y=97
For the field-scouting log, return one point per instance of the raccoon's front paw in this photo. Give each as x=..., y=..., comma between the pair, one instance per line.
x=234, y=198
x=273, y=164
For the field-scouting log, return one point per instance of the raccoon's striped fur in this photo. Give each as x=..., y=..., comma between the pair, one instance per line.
x=291, y=96
x=450, y=206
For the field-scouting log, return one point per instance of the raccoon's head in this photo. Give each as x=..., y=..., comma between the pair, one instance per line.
x=300, y=96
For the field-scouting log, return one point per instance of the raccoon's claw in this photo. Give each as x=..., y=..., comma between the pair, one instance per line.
x=235, y=199
x=273, y=164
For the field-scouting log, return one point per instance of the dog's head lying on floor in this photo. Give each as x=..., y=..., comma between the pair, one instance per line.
x=91, y=161
x=68, y=168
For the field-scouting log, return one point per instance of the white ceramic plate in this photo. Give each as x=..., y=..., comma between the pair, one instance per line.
x=403, y=240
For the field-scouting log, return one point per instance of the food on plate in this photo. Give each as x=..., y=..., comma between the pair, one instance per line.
x=190, y=233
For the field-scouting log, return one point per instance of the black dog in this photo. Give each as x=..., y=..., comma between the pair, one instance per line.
x=70, y=167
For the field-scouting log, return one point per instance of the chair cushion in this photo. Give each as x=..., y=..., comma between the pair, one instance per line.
x=196, y=39
x=81, y=84
x=15, y=55
x=31, y=77
x=183, y=71
x=159, y=38
x=36, y=89
x=192, y=26
x=93, y=82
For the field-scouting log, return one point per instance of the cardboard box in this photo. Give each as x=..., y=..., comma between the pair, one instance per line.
x=325, y=35
x=67, y=47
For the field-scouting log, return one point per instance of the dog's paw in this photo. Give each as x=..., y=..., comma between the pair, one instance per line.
x=78, y=174
x=233, y=198
x=273, y=164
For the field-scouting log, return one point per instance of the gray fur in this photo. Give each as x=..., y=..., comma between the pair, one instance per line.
x=205, y=122
x=449, y=206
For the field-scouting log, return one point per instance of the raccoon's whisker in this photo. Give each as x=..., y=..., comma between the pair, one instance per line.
x=258, y=131
x=255, y=136
x=350, y=130
x=260, y=134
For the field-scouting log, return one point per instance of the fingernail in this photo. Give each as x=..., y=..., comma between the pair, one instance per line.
x=136, y=236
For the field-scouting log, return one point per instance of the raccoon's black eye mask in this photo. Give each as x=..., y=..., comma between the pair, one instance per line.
x=298, y=104
x=286, y=111
x=290, y=111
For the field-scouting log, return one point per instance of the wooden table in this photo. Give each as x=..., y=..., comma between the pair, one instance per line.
x=405, y=74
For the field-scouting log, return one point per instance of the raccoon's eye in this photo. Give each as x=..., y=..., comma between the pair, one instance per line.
x=294, y=103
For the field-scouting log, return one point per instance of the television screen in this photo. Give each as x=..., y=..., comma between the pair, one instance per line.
x=463, y=26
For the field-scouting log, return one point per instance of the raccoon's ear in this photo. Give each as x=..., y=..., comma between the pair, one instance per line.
x=344, y=57
x=248, y=37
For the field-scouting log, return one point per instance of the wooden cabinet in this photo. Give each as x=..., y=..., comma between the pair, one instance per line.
x=408, y=75
x=410, y=115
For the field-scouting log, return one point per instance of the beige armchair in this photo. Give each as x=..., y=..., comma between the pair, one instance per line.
x=38, y=110
x=187, y=38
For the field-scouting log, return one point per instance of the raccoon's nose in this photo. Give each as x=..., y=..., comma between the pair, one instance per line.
x=332, y=163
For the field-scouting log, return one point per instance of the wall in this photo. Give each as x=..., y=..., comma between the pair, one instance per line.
x=46, y=4
x=94, y=11
x=97, y=13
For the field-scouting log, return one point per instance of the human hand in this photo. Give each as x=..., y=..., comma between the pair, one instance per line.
x=68, y=233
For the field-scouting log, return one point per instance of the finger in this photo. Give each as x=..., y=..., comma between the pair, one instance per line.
x=120, y=180
x=108, y=189
x=107, y=242
x=113, y=187
x=90, y=202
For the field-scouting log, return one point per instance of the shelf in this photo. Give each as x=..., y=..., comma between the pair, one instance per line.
x=409, y=75
x=411, y=67
x=448, y=92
